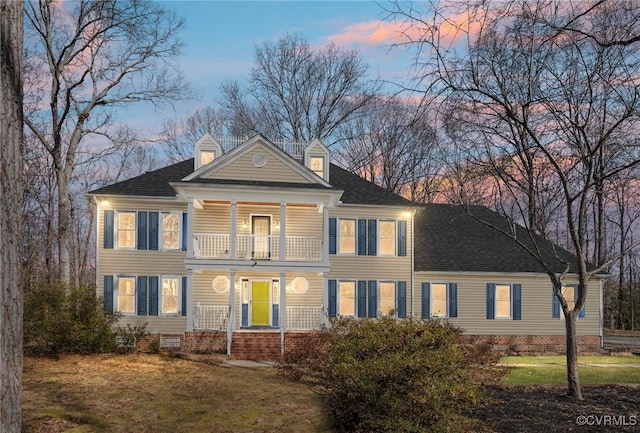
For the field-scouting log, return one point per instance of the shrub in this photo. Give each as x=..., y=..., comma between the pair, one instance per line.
x=62, y=319
x=127, y=337
x=388, y=375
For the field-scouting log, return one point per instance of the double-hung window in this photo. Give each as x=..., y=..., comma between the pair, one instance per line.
x=347, y=236
x=126, y=296
x=126, y=229
x=438, y=300
x=504, y=301
x=347, y=298
x=170, y=299
x=570, y=295
x=387, y=238
x=317, y=165
x=170, y=231
x=387, y=297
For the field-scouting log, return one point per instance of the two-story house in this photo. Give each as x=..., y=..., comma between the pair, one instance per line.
x=248, y=244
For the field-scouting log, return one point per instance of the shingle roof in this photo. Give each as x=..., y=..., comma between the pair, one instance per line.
x=360, y=191
x=449, y=239
x=156, y=184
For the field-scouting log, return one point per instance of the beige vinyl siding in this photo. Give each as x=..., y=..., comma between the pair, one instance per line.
x=120, y=262
x=243, y=168
x=536, y=305
x=216, y=219
x=381, y=268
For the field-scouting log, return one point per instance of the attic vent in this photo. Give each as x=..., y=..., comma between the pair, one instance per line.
x=259, y=160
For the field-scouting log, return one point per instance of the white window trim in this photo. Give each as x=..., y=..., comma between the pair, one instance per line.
x=395, y=238
x=324, y=164
x=446, y=300
x=355, y=236
x=379, y=295
x=355, y=298
x=116, y=294
x=116, y=230
x=161, y=230
x=161, y=294
x=495, y=302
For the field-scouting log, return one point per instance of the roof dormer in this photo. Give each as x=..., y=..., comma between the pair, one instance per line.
x=316, y=158
x=207, y=149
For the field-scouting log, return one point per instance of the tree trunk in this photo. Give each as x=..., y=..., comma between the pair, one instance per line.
x=64, y=233
x=11, y=139
x=573, y=380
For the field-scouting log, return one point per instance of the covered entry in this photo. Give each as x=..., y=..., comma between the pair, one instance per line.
x=260, y=303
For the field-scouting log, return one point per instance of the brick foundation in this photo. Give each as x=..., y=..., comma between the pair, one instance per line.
x=534, y=344
x=265, y=345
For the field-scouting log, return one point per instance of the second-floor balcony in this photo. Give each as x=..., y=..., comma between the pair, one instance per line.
x=257, y=247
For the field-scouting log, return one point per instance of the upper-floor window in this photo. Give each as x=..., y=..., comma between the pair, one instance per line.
x=171, y=231
x=316, y=164
x=387, y=238
x=126, y=231
x=347, y=236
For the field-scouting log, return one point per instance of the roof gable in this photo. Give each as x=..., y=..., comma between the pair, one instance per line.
x=256, y=160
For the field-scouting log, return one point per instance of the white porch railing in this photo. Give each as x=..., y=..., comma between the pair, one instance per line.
x=211, y=317
x=257, y=247
x=304, y=318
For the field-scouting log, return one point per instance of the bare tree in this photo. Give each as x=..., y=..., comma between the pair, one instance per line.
x=392, y=144
x=84, y=60
x=535, y=94
x=11, y=298
x=297, y=92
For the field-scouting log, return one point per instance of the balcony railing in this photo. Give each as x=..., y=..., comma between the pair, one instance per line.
x=211, y=317
x=256, y=247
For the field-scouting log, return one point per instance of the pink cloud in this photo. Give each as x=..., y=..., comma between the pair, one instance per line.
x=374, y=33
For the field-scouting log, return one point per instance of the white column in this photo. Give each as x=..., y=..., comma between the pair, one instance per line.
x=325, y=298
x=189, y=230
x=190, y=311
x=325, y=233
x=283, y=231
x=233, y=231
x=232, y=309
x=283, y=309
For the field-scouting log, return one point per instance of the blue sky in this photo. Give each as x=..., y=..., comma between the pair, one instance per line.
x=220, y=37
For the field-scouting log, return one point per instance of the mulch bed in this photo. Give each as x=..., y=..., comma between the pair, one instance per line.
x=547, y=409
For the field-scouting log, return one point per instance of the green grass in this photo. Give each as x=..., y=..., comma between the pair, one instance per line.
x=561, y=359
x=558, y=375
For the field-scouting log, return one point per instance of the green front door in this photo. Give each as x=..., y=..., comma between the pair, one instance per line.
x=260, y=303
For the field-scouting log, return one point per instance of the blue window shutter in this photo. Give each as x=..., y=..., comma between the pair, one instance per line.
x=362, y=299
x=275, y=315
x=184, y=296
x=153, y=296
x=426, y=295
x=453, y=300
x=575, y=294
x=373, y=237
x=184, y=231
x=153, y=230
x=373, y=298
x=402, y=299
x=142, y=231
x=141, y=290
x=491, y=301
x=108, y=229
x=332, y=235
x=555, y=306
x=108, y=293
x=517, y=301
x=362, y=237
x=333, y=298
x=402, y=238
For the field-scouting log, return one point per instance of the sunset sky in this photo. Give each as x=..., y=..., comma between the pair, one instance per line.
x=220, y=36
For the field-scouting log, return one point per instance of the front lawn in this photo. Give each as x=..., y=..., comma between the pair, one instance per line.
x=152, y=393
